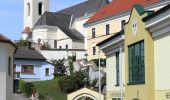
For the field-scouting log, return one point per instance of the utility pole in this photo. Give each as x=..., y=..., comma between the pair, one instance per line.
x=99, y=77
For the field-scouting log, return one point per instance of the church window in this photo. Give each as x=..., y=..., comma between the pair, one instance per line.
x=40, y=8
x=28, y=9
x=55, y=43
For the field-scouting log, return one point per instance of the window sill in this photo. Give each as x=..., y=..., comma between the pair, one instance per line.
x=136, y=83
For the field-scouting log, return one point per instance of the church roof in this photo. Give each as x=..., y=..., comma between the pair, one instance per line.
x=62, y=21
x=87, y=7
x=25, y=53
x=54, y=19
x=117, y=7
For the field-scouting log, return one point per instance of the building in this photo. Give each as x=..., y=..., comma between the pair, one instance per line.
x=32, y=66
x=60, y=29
x=139, y=57
x=7, y=50
x=108, y=20
x=113, y=48
x=158, y=24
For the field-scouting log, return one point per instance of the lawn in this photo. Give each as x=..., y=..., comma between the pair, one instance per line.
x=50, y=88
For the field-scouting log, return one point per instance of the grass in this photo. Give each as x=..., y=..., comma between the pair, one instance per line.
x=50, y=88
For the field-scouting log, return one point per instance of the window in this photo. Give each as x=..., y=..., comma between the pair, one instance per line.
x=9, y=65
x=40, y=8
x=27, y=69
x=55, y=43
x=28, y=9
x=136, y=63
x=117, y=68
x=47, y=71
x=94, y=50
x=107, y=29
x=93, y=33
x=66, y=46
x=116, y=99
x=60, y=47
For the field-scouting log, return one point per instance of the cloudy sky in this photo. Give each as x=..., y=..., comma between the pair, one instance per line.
x=11, y=15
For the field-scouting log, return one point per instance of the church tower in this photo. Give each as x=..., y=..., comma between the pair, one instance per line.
x=33, y=9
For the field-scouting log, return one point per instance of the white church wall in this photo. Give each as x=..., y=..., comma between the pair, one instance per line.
x=39, y=34
x=60, y=54
x=78, y=45
x=63, y=40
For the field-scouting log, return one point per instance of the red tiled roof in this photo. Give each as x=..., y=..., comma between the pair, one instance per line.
x=116, y=7
x=27, y=30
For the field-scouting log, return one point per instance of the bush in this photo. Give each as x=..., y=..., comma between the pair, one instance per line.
x=27, y=88
x=71, y=83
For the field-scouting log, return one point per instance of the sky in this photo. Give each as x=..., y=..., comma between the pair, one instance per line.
x=11, y=15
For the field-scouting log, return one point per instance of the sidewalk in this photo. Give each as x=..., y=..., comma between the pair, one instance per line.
x=19, y=97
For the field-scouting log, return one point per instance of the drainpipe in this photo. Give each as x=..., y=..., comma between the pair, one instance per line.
x=99, y=77
x=120, y=74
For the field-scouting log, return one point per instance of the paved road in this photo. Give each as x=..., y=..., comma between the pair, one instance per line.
x=18, y=97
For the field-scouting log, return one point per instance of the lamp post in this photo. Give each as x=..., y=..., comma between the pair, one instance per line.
x=99, y=77
x=120, y=74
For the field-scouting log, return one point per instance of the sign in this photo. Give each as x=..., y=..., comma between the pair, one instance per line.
x=134, y=26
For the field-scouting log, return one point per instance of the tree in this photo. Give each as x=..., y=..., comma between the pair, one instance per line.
x=60, y=68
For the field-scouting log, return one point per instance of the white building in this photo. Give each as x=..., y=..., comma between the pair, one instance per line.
x=7, y=49
x=62, y=30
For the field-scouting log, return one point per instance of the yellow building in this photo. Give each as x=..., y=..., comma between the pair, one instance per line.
x=141, y=54
x=139, y=58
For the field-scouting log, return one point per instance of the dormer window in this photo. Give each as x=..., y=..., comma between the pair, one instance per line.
x=40, y=8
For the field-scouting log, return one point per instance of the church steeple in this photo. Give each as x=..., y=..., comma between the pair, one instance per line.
x=33, y=9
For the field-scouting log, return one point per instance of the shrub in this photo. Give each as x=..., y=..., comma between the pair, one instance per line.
x=27, y=88
x=71, y=83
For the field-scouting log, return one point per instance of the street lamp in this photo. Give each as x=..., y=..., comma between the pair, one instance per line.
x=99, y=77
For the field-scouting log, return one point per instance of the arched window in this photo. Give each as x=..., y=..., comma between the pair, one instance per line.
x=55, y=44
x=40, y=5
x=28, y=9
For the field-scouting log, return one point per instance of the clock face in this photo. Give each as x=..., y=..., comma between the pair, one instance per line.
x=134, y=26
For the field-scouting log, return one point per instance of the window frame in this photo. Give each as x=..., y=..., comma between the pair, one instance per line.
x=22, y=72
x=55, y=43
x=94, y=50
x=117, y=55
x=93, y=32
x=46, y=72
x=107, y=29
x=9, y=66
x=136, y=63
x=40, y=8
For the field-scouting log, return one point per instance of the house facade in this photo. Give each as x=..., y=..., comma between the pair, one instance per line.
x=113, y=48
x=108, y=20
x=139, y=57
x=7, y=50
x=32, y=66
x=137, y=83
x=158, y=25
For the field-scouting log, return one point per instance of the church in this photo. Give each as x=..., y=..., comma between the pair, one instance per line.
x=62, y=29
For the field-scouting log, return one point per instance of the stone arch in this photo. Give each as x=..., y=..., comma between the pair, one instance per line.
x=84, y=92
